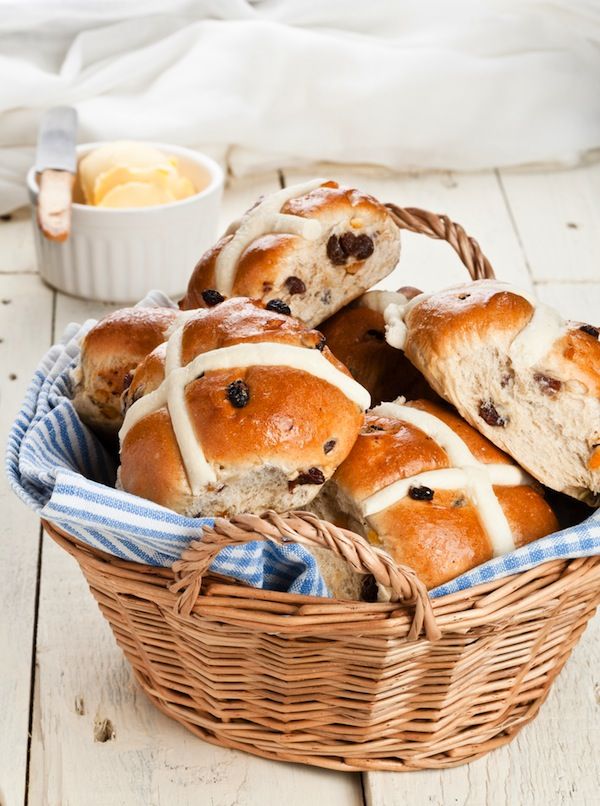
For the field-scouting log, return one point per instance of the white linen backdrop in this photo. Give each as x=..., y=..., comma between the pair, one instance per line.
x=406, y=84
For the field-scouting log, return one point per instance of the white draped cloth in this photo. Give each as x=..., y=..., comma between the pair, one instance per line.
x=407, y=84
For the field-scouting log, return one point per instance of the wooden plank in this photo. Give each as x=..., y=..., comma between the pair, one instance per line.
x=16, y=243
x=24, y=300
x=558, y=220
x=85, y=692
x=473, y=200
x=577, y=301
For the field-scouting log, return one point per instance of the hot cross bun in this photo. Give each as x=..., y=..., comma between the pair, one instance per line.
x=243, y=409
x=110, y=351
x=314, y=246
x=517, y=371
x=433, y=492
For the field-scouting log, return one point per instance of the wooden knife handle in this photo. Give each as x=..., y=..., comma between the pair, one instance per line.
x=54, y=203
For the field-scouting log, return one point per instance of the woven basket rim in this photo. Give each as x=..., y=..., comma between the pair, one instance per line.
x=496, y=602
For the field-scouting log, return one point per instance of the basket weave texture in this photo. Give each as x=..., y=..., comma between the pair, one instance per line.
x=405, y=685
x=409, y=684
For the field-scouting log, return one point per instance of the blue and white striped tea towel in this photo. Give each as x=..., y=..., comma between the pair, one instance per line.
x=60, y=470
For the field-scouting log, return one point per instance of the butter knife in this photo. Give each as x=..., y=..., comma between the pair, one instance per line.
x=56, y=166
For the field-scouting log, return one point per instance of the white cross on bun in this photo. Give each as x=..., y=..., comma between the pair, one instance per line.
x=243, y=409
x=433, y=492
x=316, y=246
x=524, y=377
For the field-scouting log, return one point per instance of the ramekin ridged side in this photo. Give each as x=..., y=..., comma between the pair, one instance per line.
x=119, y=255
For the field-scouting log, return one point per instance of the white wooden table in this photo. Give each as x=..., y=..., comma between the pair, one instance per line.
x=74, y=727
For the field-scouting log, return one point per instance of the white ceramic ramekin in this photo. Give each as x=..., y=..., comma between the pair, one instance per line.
x=119, y=255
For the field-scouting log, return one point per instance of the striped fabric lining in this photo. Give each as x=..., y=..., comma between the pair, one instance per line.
x=59, y=468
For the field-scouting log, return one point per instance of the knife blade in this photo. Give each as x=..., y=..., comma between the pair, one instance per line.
x=56, y=141
x=56, y=165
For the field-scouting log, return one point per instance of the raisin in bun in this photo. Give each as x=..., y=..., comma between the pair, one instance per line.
x=316, y=246
x=523, y=376
x=243, y=409
x=433, y=492
x=109, y=352
x=356, y=335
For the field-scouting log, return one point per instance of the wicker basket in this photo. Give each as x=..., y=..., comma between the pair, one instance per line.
x=411, y=684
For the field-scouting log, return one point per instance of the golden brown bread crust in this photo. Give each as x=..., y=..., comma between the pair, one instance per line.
x=479, y=311
x=356, y=335
x=259, y=266
x=293, y=420
x=131, y=331
x=334, y=200
x=580, y=351
x=272, y=261
x=540, y=401
x=240, y=320
x=389, y=449
x=443, y=537
x=466, y=314
x=279, y=423
x=151, y=464
x=109, y=352
x=438, y=539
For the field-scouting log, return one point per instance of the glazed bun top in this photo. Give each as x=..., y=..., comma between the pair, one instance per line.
x=238, y=385
x=436, y=493
x=315, y=245
x=404, y=440
x=109, y=352
x=529, y=331
x=524, y=376
x=127, y=333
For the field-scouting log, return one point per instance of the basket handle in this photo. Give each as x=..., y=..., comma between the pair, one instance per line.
x=441, y=228
x=307, y=529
